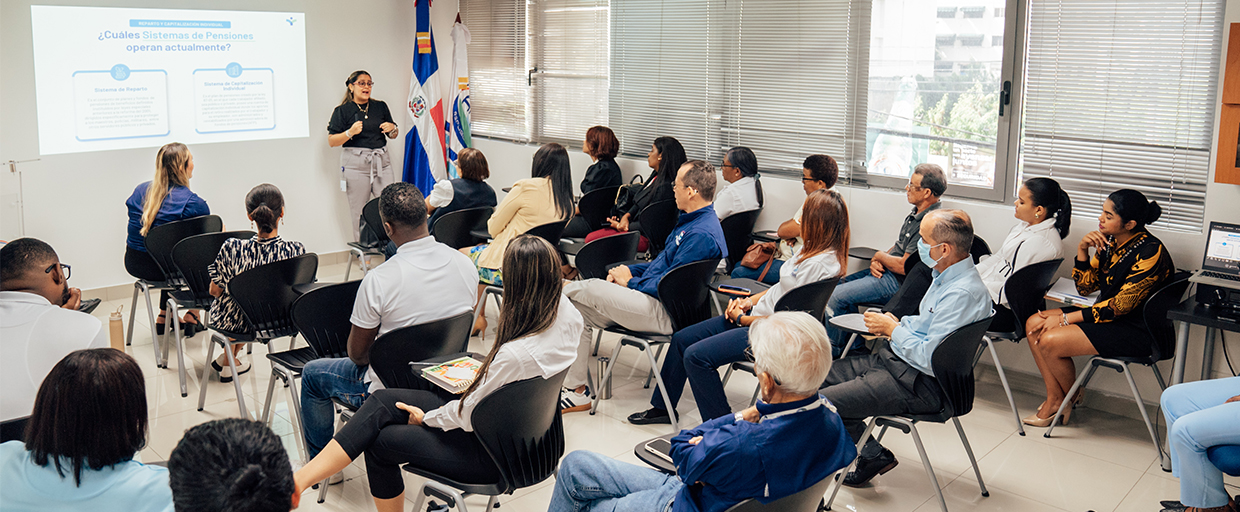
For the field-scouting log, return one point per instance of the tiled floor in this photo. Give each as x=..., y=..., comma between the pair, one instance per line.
x=1101, y=462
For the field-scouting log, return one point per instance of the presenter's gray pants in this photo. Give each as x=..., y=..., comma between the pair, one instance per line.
x=603, y=304
x=366, y=173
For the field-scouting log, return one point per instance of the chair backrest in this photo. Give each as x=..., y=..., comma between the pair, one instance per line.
x=736, y=230
x=373, y=221
x=14, y=429
x=980, y=248
x=917, y=280
x=684, y=292
x=1155, y=314
x=809, y=297
x=596, y=204
x=1026, y=288
x=550, y=232
x=657, y=222
x=594, y=257
x=162, y=238
x=952, y=363
x=322, y=317
x=520, y=427
x=391, y=354
x=804, y=501
x=452, y=229
x=192, y=255
x=265, y=294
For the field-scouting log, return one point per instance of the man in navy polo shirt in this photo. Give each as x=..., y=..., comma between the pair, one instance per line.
x=629, y=297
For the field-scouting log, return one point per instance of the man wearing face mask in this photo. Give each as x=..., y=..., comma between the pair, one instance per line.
x=897, y=378
x=39, y=321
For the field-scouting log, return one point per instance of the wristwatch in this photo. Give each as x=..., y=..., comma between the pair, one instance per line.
x=738, y=417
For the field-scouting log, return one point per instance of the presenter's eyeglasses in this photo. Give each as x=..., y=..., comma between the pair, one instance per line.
x=67, y=269
x=364, y=84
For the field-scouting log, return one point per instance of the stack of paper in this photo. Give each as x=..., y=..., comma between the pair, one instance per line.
x=1064, y=290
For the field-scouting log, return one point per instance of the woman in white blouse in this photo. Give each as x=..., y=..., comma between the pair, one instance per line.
x=743, y=192
x=1044, y=213
x=538, y=334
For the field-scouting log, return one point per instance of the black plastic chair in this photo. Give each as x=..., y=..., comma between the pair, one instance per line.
x=594, y=258
x=952, y=364
x=1162, y=347
x=14, y=429
x=453, y=228
x=520, y=427
x=391, y=354
x=736, y=234
x=359, y=250
x=159, y=243
x=906, y=301
x=807, y=500
x=191, y=257
x=684, y=293
x=265, y=295
x=980, y=248
x=551, y=233
x=1025, y=291
x=596, y=205
x=657, y=221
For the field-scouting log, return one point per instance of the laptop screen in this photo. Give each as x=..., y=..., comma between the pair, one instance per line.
x=1223, y=249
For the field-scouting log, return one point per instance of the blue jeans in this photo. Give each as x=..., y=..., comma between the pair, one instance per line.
x=589, y=481
x=321, y=380
x=1197, y=419
x=858, y=288
x=696, y=352
x=772, y=275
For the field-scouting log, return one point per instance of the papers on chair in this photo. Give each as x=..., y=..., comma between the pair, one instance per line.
x=1064, y=290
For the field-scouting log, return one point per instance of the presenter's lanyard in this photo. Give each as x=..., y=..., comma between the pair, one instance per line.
x=817, y=403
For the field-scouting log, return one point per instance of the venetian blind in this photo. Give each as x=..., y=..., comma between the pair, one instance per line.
x=497, y=68
x=1120, y=94
x=570, y=42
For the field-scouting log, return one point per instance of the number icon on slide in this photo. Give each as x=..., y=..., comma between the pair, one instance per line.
x=120, y=72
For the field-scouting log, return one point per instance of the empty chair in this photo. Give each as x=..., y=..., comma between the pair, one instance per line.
x=159, y=243
x=453, y=229
x=596, y=257
x=364, y=248
x=736, y=233
x=596, y=205
x=657, y=222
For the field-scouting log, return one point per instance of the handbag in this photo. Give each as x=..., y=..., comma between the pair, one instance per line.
x=626, y=197
x=760, y=255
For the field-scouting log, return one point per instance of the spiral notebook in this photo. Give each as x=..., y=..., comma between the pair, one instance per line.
x=455, y=375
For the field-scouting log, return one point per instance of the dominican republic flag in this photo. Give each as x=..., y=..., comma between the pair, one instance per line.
x=425, y=157
x=458, y=106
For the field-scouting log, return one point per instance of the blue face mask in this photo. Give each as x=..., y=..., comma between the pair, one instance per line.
x=923, y=252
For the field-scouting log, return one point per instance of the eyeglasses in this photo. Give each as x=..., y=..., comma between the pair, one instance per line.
x=67, y=269
x=911, y=186
x=749, y=356
x=808, y=179
x=364, y=84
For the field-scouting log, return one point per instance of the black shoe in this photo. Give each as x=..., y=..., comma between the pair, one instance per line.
x=1172, y=506
x=869, y=468
x=651, y=416
x=88, y=305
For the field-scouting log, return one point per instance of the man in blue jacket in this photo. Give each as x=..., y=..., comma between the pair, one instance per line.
x=788, y=442
x=629, y=297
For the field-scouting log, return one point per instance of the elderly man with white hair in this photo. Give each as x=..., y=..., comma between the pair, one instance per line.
x=784, y=444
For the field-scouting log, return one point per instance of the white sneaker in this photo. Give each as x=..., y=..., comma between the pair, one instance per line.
x=572, y=401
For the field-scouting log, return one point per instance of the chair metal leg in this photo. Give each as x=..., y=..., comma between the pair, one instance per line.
x=348, y=267
x=202, y=383
x=925, y=461
x=492, y=502
x=835, y=487
x=232, y=365
x=443, y=490
x=994, y=356
x=605, y=378
x=754, y=399
x=271, y=388
x=150, y=313
x=654, y=366
x=969, y=450
x=174, y=310
x=598, y=339
x=173, y=334
x=851, y=339
x=1145, y=415
x=727, y=375
x=1162, y=384
x=654, y=362
x=132, y=309
x=295, y=416
x=1085, y=374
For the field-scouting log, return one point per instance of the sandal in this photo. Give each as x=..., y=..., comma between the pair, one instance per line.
x=191, y=328
x=160, y=326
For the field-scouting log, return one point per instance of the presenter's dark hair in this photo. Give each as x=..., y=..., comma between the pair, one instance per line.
x=230, y=465
x=473, y=165
x=1131, y=205
x=401, y=203
x=699, y=175
x=89, y=413
x=743, y=159
x=353, y=77
x=1048, y=194
x=673, y=156
x=551, y=162
x=601, y=142
x=822, y=168
x=22, y=256
x=265, y=205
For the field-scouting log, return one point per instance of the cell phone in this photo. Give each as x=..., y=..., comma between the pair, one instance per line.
x=727, y=288
x=661, y=448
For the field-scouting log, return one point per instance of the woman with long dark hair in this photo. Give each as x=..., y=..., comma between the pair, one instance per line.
x=743, y=192
x=698, y=350
x=365, y=166
x=545, y=197
x=665, y=157
x=1128, y=265
x=537, y=337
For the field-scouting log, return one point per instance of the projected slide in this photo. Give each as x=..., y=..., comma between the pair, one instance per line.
x=111, y=78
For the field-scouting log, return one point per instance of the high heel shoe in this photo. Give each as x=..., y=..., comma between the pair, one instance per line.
x=1034, y=420
x=160, y=326
x=191, y=328
x=480, y=326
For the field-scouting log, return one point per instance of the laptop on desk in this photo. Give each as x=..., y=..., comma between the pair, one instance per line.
x=1221, y=264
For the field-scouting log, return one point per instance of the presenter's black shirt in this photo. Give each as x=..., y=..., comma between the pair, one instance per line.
x=375, y=113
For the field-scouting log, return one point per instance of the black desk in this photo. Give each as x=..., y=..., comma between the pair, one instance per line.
x=653, y=460
x=1189, y=312
x=862, y=253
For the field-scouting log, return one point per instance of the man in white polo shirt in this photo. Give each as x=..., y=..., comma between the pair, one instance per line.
x=39, y=322
x=425, y=281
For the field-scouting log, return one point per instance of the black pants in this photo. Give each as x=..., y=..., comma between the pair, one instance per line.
x=878, y=384
x=384, y=434
x=141, y=265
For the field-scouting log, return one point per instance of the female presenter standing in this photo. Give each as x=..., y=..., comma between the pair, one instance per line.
x=360, y=124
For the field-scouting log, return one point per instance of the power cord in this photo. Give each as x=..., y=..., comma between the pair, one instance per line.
x=1226, y=357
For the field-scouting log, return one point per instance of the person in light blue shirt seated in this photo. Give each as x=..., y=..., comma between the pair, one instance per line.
x=89, y=421
x=897, y=378
x=786, y=443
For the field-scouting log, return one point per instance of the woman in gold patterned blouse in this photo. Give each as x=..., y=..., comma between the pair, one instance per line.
x=1127, y=266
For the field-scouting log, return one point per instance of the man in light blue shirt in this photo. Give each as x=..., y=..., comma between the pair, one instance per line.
x=898, y=379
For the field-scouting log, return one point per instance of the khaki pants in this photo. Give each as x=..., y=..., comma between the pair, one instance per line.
x=366, y=173
x=605, y=304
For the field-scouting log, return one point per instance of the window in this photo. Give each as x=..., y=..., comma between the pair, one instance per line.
x=497, y=68
x=1102, y=113
x=946, y=12
x=945, y=40
x=973, y=12
x=996, y=40
x=971, y=39
x=999, y=12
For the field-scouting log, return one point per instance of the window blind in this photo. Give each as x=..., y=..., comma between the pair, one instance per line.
x=571, y=45
x=497, y=68
x=1120, y=94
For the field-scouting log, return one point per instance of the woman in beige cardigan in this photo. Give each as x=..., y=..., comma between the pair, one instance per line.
x=544, y=198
